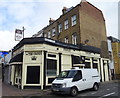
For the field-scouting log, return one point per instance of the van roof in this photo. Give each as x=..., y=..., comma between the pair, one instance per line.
x=81, y=69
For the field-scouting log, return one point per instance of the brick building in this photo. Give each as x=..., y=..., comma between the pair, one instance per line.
x=81, y=25
x=116, y=55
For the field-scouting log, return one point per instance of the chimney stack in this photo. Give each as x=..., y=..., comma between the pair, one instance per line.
x=64, y=10
x=51, y=21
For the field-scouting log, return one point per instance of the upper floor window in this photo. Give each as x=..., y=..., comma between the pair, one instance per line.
x=74, y=38
x=45, y=35
x=60, y=28
x=66, y=24
x=53, y=31
x=66, y=39
x=49, y=34
x=73, y=20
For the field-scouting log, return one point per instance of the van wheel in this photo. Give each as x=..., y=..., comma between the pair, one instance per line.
x=74, y=91
x=95, y=87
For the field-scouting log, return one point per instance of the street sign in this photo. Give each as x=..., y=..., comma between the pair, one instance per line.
x=18, y=35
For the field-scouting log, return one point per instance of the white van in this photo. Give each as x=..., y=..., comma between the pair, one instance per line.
x=74, y=80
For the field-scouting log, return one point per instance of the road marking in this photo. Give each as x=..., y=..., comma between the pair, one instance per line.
x=94, y=93
x=108, y=89
x=107, y=95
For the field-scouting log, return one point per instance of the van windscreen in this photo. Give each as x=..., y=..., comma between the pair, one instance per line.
x=67, y=74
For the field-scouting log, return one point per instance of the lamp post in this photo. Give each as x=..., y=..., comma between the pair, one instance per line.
x=23, y=31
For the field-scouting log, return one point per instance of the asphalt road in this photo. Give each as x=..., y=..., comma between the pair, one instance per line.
x=106, y=90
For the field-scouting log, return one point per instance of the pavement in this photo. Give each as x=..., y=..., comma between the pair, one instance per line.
x=0, y=88
x=9, y=90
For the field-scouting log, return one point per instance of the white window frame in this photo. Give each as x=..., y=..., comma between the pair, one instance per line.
x=74, y=38
x=60, y=28
x=66, y=40
x=53, y=31
x=73, y=20
x=66, y=24
x=49, y=34
x=45, y=35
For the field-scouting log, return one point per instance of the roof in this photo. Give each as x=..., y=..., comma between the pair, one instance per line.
x=17, y=58
x=42, y=40
x=113, y=39
x=70, y=9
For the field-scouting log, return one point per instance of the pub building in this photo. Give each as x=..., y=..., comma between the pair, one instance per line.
x=37, y=61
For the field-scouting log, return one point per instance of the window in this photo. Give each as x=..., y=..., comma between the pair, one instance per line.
x=74, y=39
x=78, y=59
x=45, y=35
x=87, y=65
x=60, y=28
x=67, y=74
x=66, y=24
x=51, y=67
x=53, y=32
x=51, y=55
x=66, y=39
x=95, y=65
x=73, y=19
x=49, y=35
x=78, y=76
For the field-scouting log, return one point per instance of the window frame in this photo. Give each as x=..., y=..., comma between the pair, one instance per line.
x=45, y=35
x=49, y=34
x=66, y=23
x=73, y=20
x=74, y=38
x=48, y=67
x=53, y=31
x=60, y=28
x=66, y=40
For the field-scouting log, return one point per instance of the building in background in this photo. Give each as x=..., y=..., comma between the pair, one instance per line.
x=81, y=25
x=116, y=55
x=111, y=62
x=7, y=67
x=2, y=58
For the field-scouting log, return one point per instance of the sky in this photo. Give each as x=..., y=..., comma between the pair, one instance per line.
x=35, y=14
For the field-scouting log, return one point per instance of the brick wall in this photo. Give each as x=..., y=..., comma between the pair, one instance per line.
x=92, y=27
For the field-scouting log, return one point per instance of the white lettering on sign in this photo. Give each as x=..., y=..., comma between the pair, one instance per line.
x=33, y=53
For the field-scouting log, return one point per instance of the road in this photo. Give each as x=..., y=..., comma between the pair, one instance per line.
x=106, y=90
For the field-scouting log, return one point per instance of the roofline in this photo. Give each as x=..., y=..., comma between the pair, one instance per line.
x=113, y=39
x=57, y=18
x=68, y=12
x=92, y=5
x=43, y=40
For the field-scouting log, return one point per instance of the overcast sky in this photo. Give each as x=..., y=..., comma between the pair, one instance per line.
x=35, y=14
